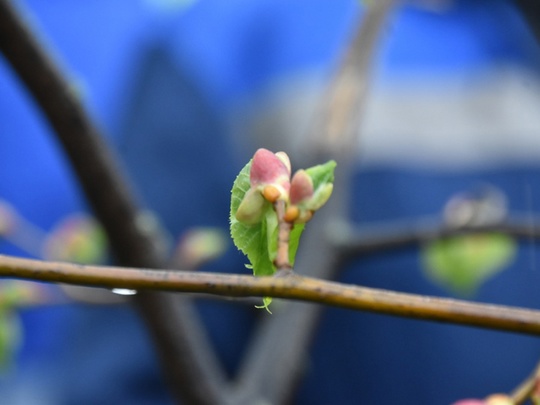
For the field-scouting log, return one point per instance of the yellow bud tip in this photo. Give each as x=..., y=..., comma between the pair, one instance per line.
x=291, y=213
x=499, y=399
x=271, y=194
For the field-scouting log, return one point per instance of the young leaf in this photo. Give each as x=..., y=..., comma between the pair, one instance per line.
x=252, y=240
x=322, y=174
x=462, y=263
x=266, y=304
x=294, y=240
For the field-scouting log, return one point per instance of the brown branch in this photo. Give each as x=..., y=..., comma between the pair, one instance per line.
x=527, y=387
x=282, y=261
x=294, y=287
x=186, y=355
x=337, y=126
x=378, y=237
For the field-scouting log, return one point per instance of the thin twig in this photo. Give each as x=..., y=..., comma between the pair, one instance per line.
x=282, y=261
x=336, y=128
x=376, y=237
x=188, y=359
x=293, y=287
x=527, y=387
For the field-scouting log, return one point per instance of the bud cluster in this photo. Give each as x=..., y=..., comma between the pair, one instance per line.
x=270, y=181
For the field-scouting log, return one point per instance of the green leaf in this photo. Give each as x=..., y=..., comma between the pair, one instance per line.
x=461, y=264
x=252, y=240
x=322, y=174
x=266, y=304
x=294, y=241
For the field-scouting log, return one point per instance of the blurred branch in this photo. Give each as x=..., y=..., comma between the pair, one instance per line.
x=188, y=359
x=336, y=128
x=527, y=387
x=530, y=10
x=372, y=238
x=275, y=358
x=292, y=287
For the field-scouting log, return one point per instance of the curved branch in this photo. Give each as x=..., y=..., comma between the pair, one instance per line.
x=292, y=287
x=189, y=362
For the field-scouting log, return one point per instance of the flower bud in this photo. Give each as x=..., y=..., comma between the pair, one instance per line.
x=267, y=168
x=291, y=213
x=251, y=209
x=321, y=196
x=305, y=216
x=271, y=193
x=200, y=245
x=285, y=159
x=301, y=187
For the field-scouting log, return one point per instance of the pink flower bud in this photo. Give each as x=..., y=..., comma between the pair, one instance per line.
x=267, y=168
x=301, y=187
x=285, y=159
x=470, y=402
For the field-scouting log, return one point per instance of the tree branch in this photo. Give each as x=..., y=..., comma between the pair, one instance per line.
x=188, y=359
x=527, y=387
x=292, y=287
x=336, y=127
x=377, y=237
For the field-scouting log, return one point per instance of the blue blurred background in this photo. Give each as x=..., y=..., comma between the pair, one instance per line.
x=186, y=90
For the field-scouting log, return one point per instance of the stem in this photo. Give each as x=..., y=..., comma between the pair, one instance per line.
x=271, y=369
x=293, y=287
x=527, y=387
x=282, y=261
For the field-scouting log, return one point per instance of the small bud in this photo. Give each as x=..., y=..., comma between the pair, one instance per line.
x=250, y=210
x=291, y=213
x=200, y=245
x=321, y=196
x=470, y=402
x=267, y=168
x=285, y=159
x=301, y=187
x=305, y=216
x=271, y=194
x=77, y=238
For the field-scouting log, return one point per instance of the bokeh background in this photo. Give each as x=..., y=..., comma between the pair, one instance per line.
x=186, y=90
